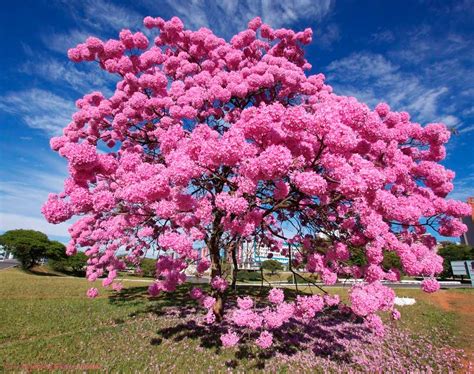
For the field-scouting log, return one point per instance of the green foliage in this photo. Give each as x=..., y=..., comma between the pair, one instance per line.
x=391, y=261
x=55, y=251
x=272, y=266
x=29, y=246
x=249, y=276
x=358, y=257
x=148, y=267
x=453, y=252
x=70, y=264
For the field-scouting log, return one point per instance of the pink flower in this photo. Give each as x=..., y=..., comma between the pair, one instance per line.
x=230, y=339
x=245, y=303
x=196, y=293
x=430, y=285
x=92, y=292
x=265, y=340
x=331, y=300
x=374, y=322
x=276, y=296
x=396, y=314
x=203, y=265
x=208, y=302
x=367, y=299
x=310, y=183
x=219, y=284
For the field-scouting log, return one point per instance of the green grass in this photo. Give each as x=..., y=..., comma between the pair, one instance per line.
x=48, y=320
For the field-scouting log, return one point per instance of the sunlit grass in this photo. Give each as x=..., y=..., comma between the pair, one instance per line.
x=48, y=319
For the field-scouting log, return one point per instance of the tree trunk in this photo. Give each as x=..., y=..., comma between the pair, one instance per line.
x=216, y=271
x=235, y=266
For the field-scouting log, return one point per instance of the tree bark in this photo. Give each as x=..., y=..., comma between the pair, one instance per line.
x=216, y=269
x=235, y=265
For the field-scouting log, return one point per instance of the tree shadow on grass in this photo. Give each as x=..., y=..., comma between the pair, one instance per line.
x=326, y=335
x=42, y=272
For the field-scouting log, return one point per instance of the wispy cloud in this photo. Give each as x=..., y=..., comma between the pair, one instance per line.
x=21, y=200
x=11, y=221
x=61, y=42
x=229, y=16
x=327, y=35
x=464, y=188
x=373, y=78
x=466, y=129
x=81, y=78
x=101, y=15
x=39, y=109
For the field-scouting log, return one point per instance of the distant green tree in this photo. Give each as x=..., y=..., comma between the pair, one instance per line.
x=272, y=266
x=28, y=246
x=148, y=267
x=56, y=251
x=453, y=252
x=74, y=264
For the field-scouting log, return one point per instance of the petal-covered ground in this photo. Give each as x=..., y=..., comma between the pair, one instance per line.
x=47, y=320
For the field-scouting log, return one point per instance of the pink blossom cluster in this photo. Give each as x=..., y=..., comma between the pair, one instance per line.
x=430, y=285
x=219, y=283
x=212, y=141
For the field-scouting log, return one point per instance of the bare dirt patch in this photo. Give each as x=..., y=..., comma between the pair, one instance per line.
x=461, y=303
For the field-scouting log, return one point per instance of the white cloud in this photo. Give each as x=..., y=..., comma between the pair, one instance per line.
x=327, y=35
x=10, y=221
x=22, y=195
x=83, y=78
x=463, y=188
x=465, y=129
x=373, y=78
x=229, y=16
x=100, y=18
x=382, y=37
x=61, y=42
x=104, y=16
x=39, y=109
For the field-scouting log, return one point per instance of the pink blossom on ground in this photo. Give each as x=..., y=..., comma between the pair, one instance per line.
x=229, y=339
x=276, y=296
x=117, y=286
x=265, y=340
x=208, y=302
x=245, y=303
x=196, y=293
x=396, y=314
x=92, y=292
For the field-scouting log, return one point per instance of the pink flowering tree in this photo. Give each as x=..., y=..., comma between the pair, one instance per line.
x=207, y=143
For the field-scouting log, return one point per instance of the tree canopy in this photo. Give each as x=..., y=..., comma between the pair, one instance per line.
x=30, y=246
x=209, y=143
x=272, y=266
x=454, y=252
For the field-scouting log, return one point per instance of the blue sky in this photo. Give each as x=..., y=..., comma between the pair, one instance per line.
x=415, y=55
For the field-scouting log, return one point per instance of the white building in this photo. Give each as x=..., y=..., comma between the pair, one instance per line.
x=5, y=255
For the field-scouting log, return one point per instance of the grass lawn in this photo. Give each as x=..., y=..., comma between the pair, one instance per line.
x=46, y=320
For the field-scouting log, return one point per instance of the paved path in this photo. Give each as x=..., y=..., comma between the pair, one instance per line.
x=5, y=264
